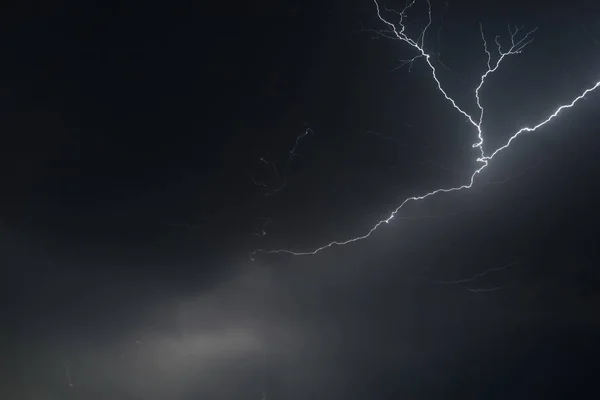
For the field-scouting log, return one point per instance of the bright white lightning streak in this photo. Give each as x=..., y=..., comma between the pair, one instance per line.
x=552, y=116
x=397, y=31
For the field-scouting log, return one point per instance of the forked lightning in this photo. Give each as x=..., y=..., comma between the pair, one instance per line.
x=397, y=31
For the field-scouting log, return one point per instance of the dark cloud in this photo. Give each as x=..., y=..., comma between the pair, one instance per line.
x=128, y=208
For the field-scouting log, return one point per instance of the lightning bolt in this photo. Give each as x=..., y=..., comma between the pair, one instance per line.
x=397, y=31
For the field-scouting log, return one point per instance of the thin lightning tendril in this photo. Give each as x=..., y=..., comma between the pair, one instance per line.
x=293, y=154
x=397, y=32
x=281, y=177
x=481, y=274
x=510, y=178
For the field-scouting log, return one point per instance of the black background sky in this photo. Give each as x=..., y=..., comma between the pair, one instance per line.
x=130, y=135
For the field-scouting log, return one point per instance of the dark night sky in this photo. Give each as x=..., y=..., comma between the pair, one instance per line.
x=130, y=135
